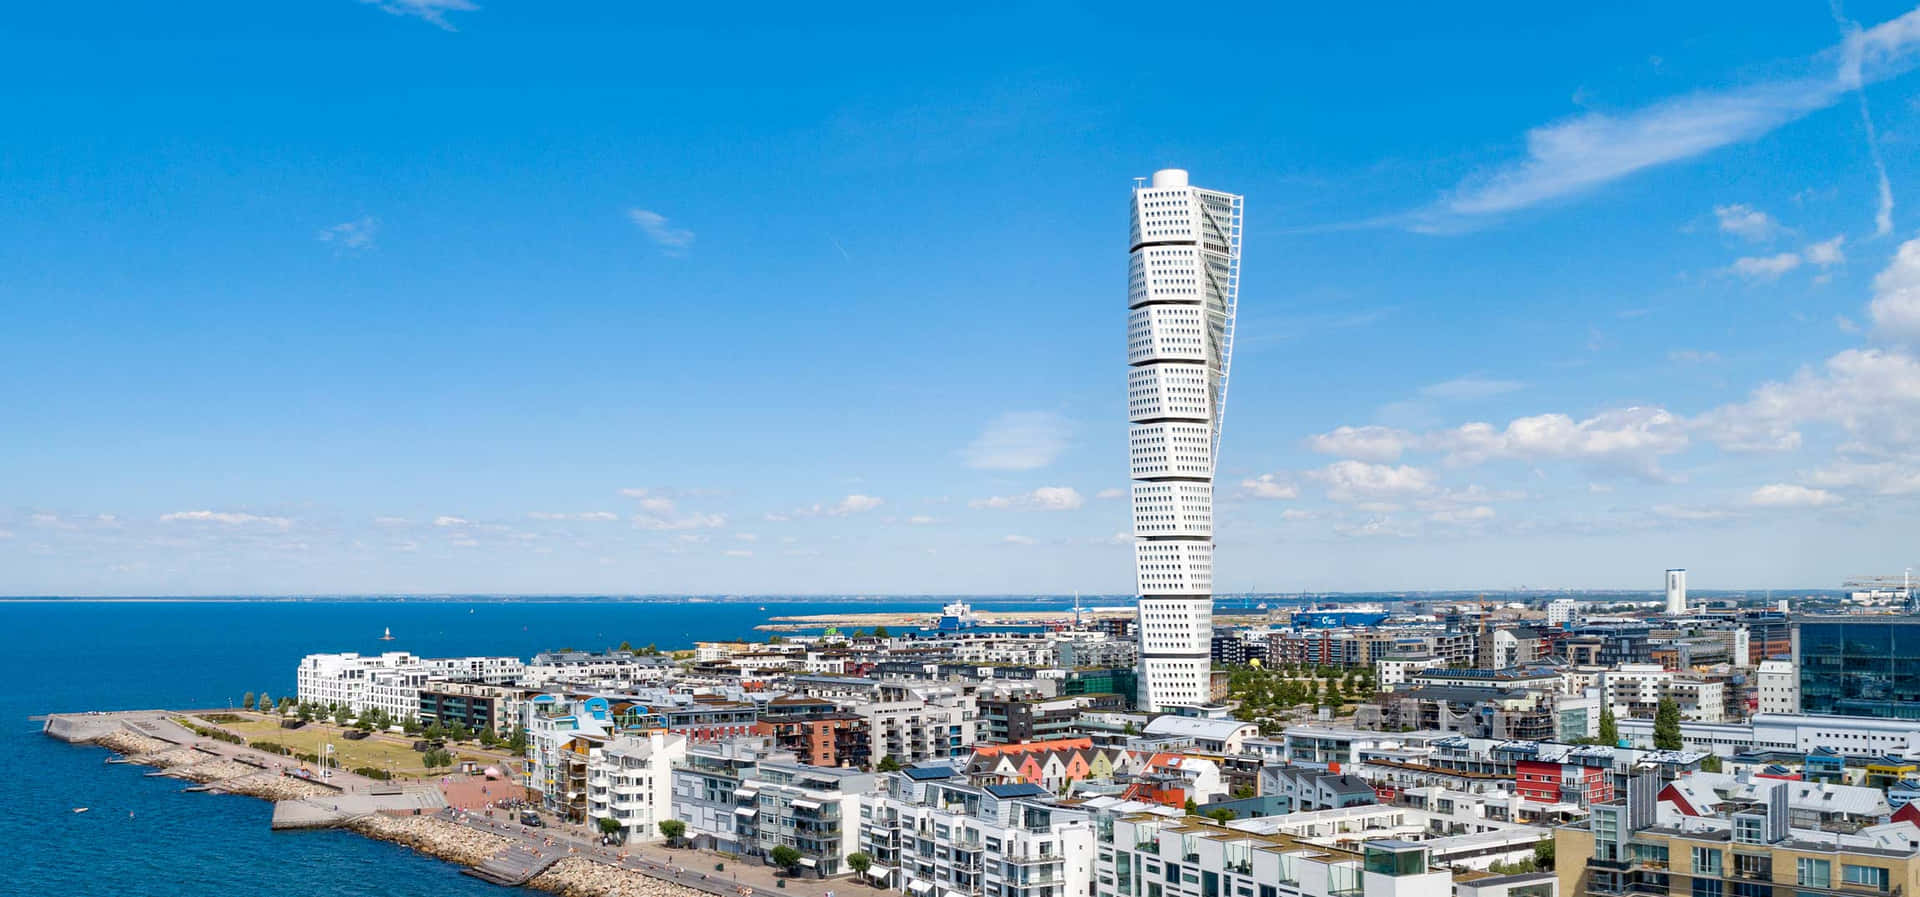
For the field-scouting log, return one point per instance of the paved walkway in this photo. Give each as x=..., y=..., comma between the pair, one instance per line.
x=693, y=868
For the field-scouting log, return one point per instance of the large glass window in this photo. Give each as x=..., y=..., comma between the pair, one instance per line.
x=1709, y=887
x=1707, y=861
x=1871, y=876
x=1749, y=829
x=1815, y=873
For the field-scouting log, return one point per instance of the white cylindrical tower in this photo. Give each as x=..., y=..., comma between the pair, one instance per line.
x=1183, y=281
x=1676, y=591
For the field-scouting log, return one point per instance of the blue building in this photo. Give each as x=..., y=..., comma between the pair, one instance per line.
x=1859, y=666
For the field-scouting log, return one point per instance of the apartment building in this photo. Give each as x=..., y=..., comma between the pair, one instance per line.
x=473, y=705
x=820, y=739
x=1636, y=689
x=630, y=780
x=813, y=810
x=915, y=723
x=1749, y=850
x=389, y=681
x=707, y=786
x=1777, y=687
x=932, y=834
x=1152, y=856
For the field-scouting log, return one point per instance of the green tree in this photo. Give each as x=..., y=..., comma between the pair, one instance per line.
x=881, y=632
x=673, y=830
x=246, y=700
x=1710, y=763
x=887, y=764
x=1192, y=808
x=859, y=861
x=1221, y=814
x=341, y=714
x=609, y=825
x=626, y=647
x=410, y=725
x=785, y=857
x=306, y=712
x=1609, y=729
x=266, y=703
x=1666, y=725
x=1543, y=854
x=518, y=741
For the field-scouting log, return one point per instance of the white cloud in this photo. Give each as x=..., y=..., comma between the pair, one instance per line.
x=1376, y=526
x=391, y=521
x=1692, y=356
x=1879, y=477
x=852, y=504
x=1016, y=540
x=573, y=515
x=1628, y=438
x=1471, y=514
x=434, y=11
x=921, y=520
x=1297, y=514
x=1269, y=485
x=746, y=537
x=1788, y=495
x=1827, y=252
x=227, y=518
x=450, y=520
x=1370, y=443
x=696, y=520
x=1470, y=387
x=1045, y=498
x=671, y=240
x=1106, y=494
x=1746, y=222
x=1683, y=512
x=1584, y=152
x=353, y=236
x=1895, y=308
x=1765, y=267
x=738, y=553
x=1019, y=440
x=1358, y=481
x=1872, y=395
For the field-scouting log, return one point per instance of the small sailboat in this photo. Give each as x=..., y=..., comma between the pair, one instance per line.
x=388, y=635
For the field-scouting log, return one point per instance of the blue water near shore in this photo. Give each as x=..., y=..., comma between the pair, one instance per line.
x=75, y=656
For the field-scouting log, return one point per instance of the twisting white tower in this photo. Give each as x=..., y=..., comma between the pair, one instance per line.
x=1183, y=277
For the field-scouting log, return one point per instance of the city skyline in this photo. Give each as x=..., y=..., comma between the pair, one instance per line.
x=495, y=310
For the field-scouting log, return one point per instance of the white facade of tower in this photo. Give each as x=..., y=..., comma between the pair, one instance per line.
x=1676, y=592
x=1183, y=280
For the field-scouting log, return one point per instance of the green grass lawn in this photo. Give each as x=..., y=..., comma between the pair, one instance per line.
x=390, y=752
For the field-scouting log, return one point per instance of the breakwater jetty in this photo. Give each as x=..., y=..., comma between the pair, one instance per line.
x=415, y=815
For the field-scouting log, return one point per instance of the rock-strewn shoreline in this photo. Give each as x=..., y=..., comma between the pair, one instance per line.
x=430, y=835
x=580, y=877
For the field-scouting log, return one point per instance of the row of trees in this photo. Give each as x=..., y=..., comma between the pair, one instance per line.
x=1267, y=695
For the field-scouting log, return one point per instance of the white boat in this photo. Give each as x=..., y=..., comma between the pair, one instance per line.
x=79, y=809
x=388, y=635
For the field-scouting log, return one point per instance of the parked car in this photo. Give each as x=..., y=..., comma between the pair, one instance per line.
x=531, y=819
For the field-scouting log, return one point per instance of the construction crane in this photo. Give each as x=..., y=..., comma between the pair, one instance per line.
x=1892, y=586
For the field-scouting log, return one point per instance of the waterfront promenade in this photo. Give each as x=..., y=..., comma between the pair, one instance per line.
x=428, y=816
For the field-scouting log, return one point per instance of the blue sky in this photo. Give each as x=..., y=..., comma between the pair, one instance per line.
x=436, y=296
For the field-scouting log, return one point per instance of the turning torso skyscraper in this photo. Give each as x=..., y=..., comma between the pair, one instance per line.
x=1183, y=277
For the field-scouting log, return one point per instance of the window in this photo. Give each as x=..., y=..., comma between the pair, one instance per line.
x=1707, y=861
x=1869, y=876
x=1815, y=873
x=1749, y=830
x=1709, y=887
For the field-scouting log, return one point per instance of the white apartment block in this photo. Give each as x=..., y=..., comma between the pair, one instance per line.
x=390, y=681
x=707, y=787
x=1392, y=672
x=1561, y=611
x=811, y=809
x=1777, y=686
x=631, y=780
x=1152, y=856
x=946, y=837
x=1850, y=735
x=930, y=723
x=1183, y=286
x=1636, y=689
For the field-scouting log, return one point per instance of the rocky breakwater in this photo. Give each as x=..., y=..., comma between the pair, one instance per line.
x=271, y=786
x=432, y=836
x=581, y=877
x=133, y=745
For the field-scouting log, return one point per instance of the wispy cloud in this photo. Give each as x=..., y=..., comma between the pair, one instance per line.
x=671, y=240
x=573, y=515
x=1470, y=387
x=1578, y=154
x=1270, y=486
x=1853, y=55
x=434, y=11
x=1045, y=498
x=1020, y=440
x=1746, y=222
x=852, y=504
x=1764, y=267
x=225, y=518
x=357, y=235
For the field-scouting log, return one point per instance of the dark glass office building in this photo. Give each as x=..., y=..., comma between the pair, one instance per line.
x=1859, y=666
